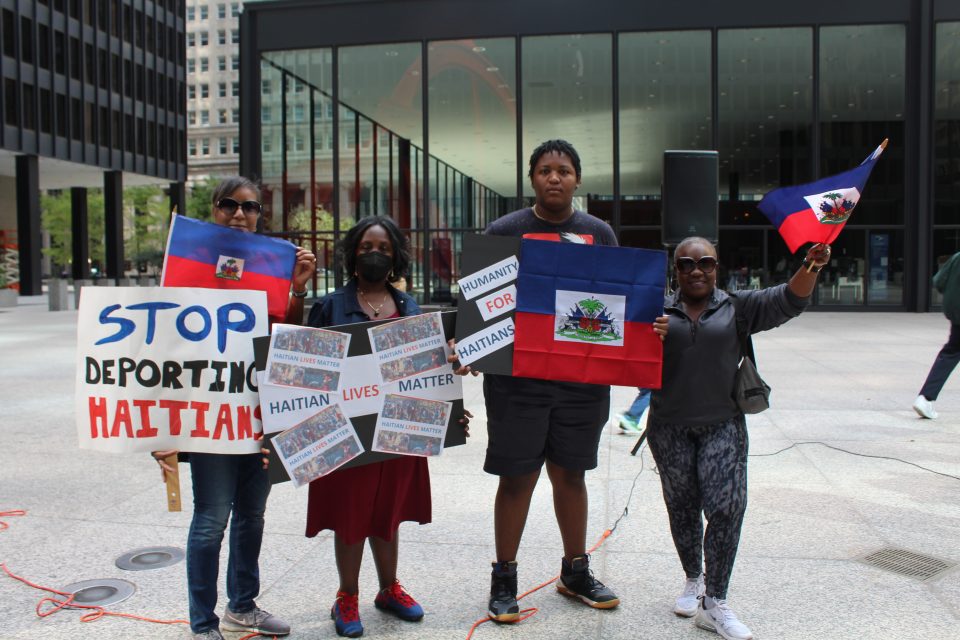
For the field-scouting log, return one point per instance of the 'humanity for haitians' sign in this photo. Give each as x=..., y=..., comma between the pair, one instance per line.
x=168, y=368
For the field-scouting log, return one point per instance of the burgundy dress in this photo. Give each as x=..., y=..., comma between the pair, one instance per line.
x=370, y=500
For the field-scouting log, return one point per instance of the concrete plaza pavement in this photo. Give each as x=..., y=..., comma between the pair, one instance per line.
x=844, y=379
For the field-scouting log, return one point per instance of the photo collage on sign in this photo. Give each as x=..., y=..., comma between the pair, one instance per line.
x=306, y=358
x=409, y=346
x=411, y=426
x=315, y=433
x=318, y=445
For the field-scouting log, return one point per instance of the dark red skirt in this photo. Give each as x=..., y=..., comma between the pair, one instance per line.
x=370, y=500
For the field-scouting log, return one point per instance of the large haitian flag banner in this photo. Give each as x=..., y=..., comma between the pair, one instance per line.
x=817, y=211
x=585, y=313
x=203, y=254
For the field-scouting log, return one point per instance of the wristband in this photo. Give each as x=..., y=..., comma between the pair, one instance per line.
x=809, y=266
x=299, y=294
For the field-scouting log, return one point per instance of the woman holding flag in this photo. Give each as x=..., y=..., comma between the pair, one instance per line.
x=233, y=487
x=696, y=431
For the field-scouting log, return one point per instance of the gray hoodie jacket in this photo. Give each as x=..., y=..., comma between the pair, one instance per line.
x=700, y=359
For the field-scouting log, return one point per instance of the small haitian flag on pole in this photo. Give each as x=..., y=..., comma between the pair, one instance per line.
x=204, y=254
x=585, y=313
x=816, y=212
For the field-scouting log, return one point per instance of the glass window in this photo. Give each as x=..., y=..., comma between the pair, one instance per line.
x=204, y=65
x=221, y=11
x=221, y=37
x=191, y=39
x=204, y=12
x=192, y=146
x=222, y=116
x=222, y=89
x=664, y=104
x=191, y=92
x=946, y=143
x=862, y=101
x=568, y=94
x=221, y=63
x=235, y=116
x=223, y=146
x=235, y=9
x=765, y=99
x=204, y=116
x=473, y=93
x=204, y=39
x=235, y=36
x=205, y=146
x=191, y=117
x=235, y=89
x=204, y=90
x=235, y=63
x=191, y=16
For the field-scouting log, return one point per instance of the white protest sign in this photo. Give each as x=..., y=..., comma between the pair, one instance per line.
x=361, y=393
x=168, y=368
x=496, y=275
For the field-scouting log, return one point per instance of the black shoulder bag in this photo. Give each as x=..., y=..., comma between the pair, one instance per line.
x=750, y=392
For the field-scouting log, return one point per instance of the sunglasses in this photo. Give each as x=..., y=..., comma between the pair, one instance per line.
x=229, y=206
x=706, y=264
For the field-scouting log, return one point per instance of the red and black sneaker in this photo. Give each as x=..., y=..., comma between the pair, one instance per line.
x=397, y=601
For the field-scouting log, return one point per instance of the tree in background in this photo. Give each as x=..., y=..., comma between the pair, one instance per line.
x=200, y=198
x=146, y=221
x=56, y=216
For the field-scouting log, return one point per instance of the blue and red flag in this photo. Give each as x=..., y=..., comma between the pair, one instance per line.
x=817, y=211
x=203, y=254
x=585, y=313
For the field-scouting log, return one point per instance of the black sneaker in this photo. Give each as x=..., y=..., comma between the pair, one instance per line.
x=577, y=581
x=503, y=605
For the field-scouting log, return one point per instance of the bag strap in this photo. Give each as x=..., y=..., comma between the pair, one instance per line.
x=743, y=330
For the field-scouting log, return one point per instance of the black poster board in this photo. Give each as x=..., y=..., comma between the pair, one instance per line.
x=366, y=424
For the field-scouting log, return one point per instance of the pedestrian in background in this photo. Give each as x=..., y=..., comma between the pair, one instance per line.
x=947, y=282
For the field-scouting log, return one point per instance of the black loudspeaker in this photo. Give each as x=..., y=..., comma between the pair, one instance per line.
x=689, y=192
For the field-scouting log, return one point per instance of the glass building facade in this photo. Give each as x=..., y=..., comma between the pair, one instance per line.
x=428, y=114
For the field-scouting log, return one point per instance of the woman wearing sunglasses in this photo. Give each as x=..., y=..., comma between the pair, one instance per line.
x=697, y=434
x=233, y=487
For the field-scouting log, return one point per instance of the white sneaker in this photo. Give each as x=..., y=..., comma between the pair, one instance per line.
x=688, y=600
x=722, y=620
x=924, y=408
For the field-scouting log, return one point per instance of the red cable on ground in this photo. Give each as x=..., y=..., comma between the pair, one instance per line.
x=10, y=514
x=533, y=610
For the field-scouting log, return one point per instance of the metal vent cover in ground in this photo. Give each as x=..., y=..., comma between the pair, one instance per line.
x=100, y=593
x=149, y=558
x=907, y=563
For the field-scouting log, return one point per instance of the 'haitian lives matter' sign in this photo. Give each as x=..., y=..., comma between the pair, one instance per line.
x=361, y=395
x=168, y=368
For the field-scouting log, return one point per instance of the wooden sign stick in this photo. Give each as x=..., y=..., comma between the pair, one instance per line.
x=173, y=483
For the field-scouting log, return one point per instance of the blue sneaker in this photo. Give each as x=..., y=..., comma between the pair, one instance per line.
x=346, y=615
x=397, y=601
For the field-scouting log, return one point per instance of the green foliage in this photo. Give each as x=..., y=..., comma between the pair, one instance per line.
x=146, y=220
x=199, y=199
x=299, y=220
x=56, y=216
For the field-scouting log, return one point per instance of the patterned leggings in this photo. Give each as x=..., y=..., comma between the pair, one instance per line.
x=703, y=470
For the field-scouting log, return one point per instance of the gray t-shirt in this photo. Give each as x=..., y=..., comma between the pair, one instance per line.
x=573, y=229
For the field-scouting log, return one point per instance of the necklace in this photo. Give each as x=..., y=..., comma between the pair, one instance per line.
x=536, y=212
x=376, y=310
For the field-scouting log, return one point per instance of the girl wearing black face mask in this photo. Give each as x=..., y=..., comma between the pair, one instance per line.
x=370, y=501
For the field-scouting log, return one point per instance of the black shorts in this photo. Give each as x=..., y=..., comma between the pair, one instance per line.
x=529, y=421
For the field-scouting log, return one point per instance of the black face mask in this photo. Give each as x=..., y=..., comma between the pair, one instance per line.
x=374, y=266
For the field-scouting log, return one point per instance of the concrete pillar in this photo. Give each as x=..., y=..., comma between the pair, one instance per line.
x=113, y=222
x=58, y=298
x=29, y=241
x=80, y=228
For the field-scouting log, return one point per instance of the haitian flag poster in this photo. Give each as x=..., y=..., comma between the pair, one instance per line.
x=817, y=211
x=585, y=314
x=204, y=254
